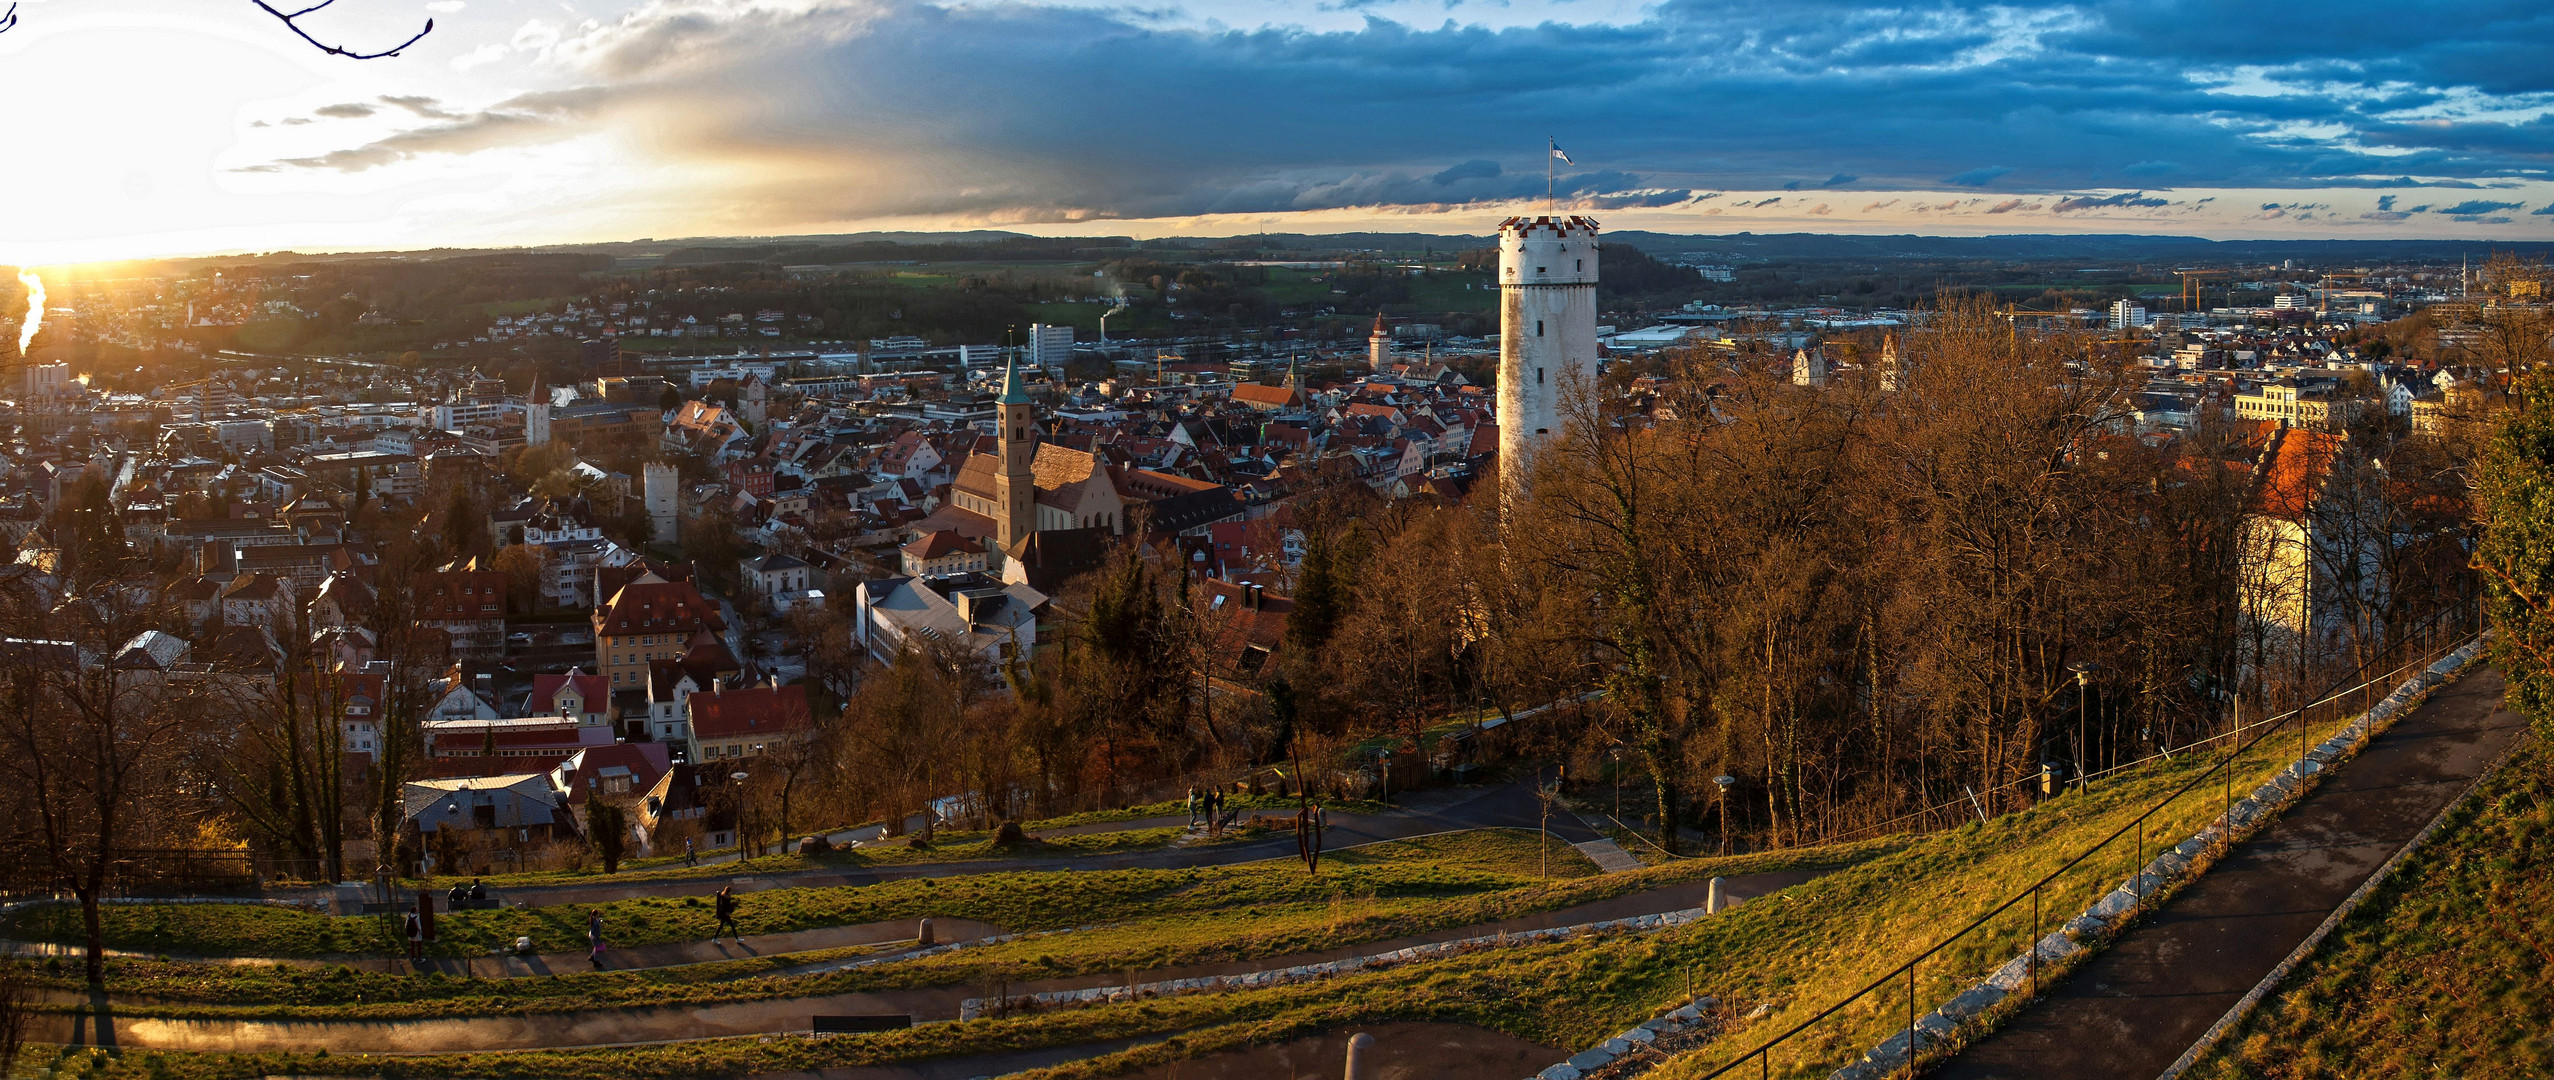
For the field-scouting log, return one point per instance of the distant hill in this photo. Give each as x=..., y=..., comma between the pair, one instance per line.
x=997, y=245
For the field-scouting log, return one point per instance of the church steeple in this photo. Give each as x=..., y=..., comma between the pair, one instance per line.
x=1015, y=478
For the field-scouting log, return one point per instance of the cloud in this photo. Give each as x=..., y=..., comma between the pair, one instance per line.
x=1820, y=210
x=2129, y=199
x=2546, y=210
x=523, y=119
x=1029, y=110
x=426, y=107
x=345, y=111
x=1881, y=205
x=2471, y=209
x=1475, y=169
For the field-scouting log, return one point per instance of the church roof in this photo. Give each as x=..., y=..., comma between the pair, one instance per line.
x=1014, y=392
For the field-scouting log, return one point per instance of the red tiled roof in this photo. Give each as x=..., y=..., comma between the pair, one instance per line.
x=658, y=607
x=754, y=710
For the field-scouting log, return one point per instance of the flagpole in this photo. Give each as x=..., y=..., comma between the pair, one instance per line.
x=1551, y=145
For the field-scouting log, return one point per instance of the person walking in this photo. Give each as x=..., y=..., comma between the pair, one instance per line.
x=690, y=857
x=416, y=939
x=1192, y=806
x=594, y=935
x=725, y=906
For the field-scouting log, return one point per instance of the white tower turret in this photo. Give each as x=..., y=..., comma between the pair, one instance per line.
x=659, y=487
x=1547, y=333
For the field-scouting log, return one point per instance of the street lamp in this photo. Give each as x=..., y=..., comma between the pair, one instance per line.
x=739, y=778
x=2084, y=671
x=1724, y=781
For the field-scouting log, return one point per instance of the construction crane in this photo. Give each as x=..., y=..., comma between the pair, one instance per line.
x=2193, y=284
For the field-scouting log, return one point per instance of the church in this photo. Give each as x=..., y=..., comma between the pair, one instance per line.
x=1045, y=511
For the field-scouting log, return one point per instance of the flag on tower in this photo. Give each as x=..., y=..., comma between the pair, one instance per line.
x=1564, y=155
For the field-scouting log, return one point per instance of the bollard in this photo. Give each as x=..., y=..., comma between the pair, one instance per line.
x=1361, y=1057
x=1711, y=898
x=924, y=936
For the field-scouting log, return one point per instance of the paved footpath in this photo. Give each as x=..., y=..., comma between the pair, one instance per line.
x=766, y=1016
x=1510, y=805
x=2133, y=1009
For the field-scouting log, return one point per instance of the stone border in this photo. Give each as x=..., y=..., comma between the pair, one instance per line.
x=975, y=1008
x=2261, y=991
x=2173, y=867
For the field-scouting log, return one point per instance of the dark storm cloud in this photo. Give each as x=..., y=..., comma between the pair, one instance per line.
x=1039, y=111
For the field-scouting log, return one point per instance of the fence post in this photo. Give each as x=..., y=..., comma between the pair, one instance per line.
x=1911, y=1018
x=2035, y=941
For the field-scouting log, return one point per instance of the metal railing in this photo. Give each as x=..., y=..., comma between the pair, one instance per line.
x=2439, y=634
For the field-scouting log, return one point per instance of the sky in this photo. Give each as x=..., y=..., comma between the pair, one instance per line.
x=149, y=127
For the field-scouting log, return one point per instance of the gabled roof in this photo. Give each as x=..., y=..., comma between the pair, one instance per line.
x=652, y=605
x=773, y=711
x=593, y=690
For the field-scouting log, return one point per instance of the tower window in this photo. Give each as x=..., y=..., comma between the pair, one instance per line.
x=1542, y=270
x=1582, y=264
x=1538, y=328
x=1538, y=376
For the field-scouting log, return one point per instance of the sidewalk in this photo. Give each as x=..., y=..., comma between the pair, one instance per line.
x=770, y=1015
x=2131, y=1010
x=671, y=954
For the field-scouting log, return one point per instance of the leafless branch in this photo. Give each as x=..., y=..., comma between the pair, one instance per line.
x=336, y=50
x=9, y=19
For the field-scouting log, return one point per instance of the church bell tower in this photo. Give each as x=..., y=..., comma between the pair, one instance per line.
x=1015, y=480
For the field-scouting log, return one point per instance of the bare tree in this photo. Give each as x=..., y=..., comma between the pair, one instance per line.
x=292, y=22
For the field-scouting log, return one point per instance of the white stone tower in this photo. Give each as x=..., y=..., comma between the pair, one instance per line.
x=1379, y=346
x=536, y=415
x=661, y=483
x=1547, y=333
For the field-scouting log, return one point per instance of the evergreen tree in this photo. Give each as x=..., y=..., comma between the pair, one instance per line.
x=1321, y=599
x=2514, y=498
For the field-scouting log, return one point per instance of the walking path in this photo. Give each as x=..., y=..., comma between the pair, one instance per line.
x=2132, y=1010
x=671, y=954
x=769, y=1016
x=1434, y=811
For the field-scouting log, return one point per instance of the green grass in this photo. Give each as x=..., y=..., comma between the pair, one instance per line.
x=2446, y=970
x=1796, y=951
x=1364, y=895
x=1448, y=865
x=950, y=846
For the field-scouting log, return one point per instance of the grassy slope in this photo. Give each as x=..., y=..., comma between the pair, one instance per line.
x=952, y=846
x=1243, y=913
x=2447, y=970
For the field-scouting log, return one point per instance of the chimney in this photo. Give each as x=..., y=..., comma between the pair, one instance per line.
x=1255, y=595
x=717, y=683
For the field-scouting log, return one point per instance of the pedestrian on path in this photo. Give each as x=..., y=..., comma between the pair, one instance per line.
x=725, y=906
x=416, y=939
x=1192, y=806
x=594, y=935
x=690, y=857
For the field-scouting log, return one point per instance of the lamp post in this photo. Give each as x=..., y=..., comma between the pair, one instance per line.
x=738, y=777
x=1615, y=754
x=1724, y=782
x=2084, y=671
